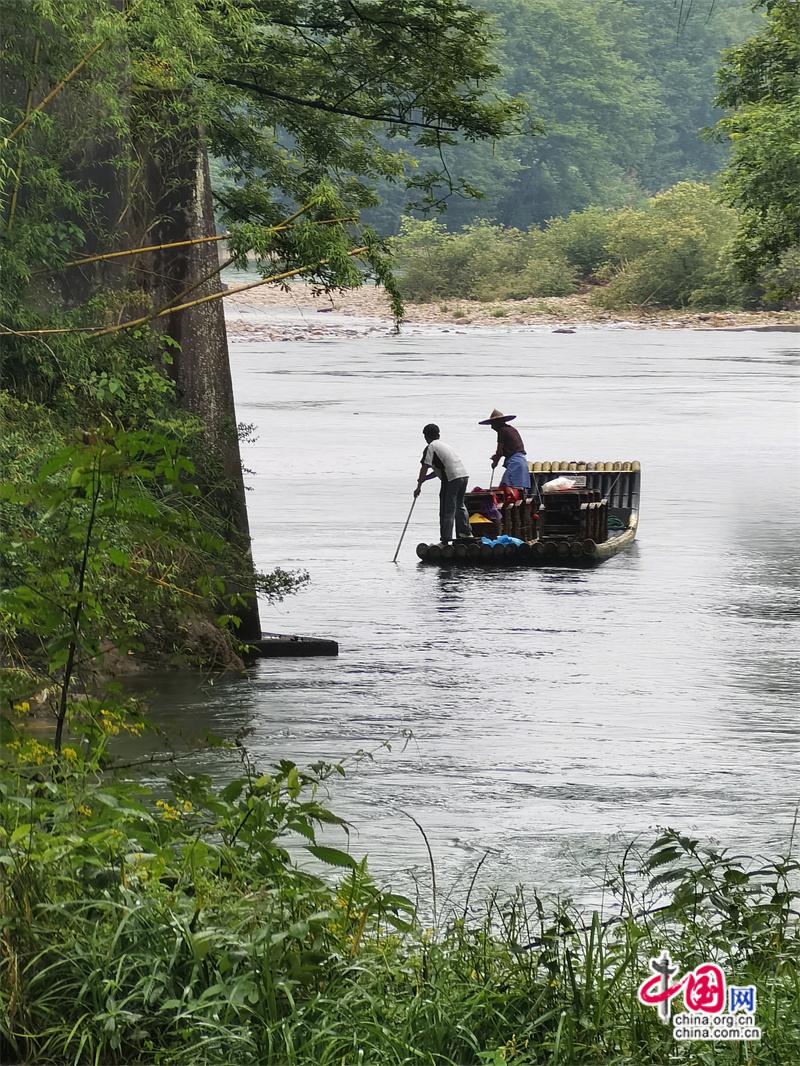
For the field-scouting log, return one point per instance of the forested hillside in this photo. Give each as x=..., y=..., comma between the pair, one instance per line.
x=618, y=94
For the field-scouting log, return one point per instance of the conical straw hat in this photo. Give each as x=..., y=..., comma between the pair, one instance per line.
x=496, y=416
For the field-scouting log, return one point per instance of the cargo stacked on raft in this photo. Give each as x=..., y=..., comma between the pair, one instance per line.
x=575, y=514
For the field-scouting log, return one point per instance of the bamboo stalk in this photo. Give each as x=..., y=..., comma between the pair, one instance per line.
x=136, y=251
x=64, y=81
x=85, y=260
x=55, y=91
x=12, y=207
x=201, y=281
x=102, y=331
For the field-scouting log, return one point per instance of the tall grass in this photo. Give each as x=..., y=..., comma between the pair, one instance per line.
x=136, y=929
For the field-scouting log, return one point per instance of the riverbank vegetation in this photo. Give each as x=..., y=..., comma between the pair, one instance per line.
x=186, y=925
x=674, y=250
x=732, y=241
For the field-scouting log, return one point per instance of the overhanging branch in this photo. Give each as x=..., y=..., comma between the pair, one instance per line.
x=334, y=109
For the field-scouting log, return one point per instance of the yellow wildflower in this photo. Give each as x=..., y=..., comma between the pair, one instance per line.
x=83, y=809
x=22, y=707
x=109, y=723
x=30, y=751
x=70, y=754
x=168, y=812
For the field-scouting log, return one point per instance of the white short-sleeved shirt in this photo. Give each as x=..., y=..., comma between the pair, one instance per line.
x=444, y=461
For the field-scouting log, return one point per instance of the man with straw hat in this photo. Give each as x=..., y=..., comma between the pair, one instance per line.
x=511, y=449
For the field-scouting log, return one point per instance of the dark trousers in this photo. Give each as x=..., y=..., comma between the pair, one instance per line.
x=451, y=507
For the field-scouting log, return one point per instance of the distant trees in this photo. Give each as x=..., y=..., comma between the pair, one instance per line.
x=624, y=95
x=618, y=96
x=760, y=83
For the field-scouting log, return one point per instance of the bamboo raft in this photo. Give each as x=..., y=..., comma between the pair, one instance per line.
x=583, y=526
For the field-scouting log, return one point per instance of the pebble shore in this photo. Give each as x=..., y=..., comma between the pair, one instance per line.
x=299, y=312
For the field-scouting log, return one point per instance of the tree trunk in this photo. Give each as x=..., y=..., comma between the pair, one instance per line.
x=180, y=193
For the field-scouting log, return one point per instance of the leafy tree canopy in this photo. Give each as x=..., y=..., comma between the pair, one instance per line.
x=289, y=94
x=760, y=83
x=618, y=96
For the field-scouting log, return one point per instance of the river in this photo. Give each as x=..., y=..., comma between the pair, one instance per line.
x=541, y=718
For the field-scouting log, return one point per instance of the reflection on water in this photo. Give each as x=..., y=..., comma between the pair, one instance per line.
x=552, y=712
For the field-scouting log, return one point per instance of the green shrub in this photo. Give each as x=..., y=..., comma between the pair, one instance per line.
x=665, y=254
x=471, y=263
x=480, y=262
x=582, y=238
x=433, y=263
x=782, y=282
x=675, y=250
x=545, y=271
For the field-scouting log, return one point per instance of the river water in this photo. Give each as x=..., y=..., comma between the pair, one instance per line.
x=543, y=717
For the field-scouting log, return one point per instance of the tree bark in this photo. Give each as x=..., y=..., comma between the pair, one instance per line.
x=178, y=188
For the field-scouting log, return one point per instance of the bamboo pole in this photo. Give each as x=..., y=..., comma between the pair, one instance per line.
x=12, y=207
x=57, y=88
x=55, y=91
x=103, y=331
x=85, y=260
x=211, y=297
x=405, y=527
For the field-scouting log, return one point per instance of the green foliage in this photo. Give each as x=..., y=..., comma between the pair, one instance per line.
x=108, y=548
x=291, y=99
x=782, y=281
x=618, y=95
x=760, y=85
x=582, y=238
x=482, y=262
x=674, y=250
x=188, y=926
x=545, y=271
x=434, y=262
x=599, y=113
x=175, y=928
x=94, y=546
x=725, y=903
x=667, y=254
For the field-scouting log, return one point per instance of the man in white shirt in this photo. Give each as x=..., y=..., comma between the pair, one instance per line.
x=442, y=462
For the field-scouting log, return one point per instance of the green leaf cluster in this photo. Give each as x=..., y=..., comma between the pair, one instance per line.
x=759, y=83
x=181, y=926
